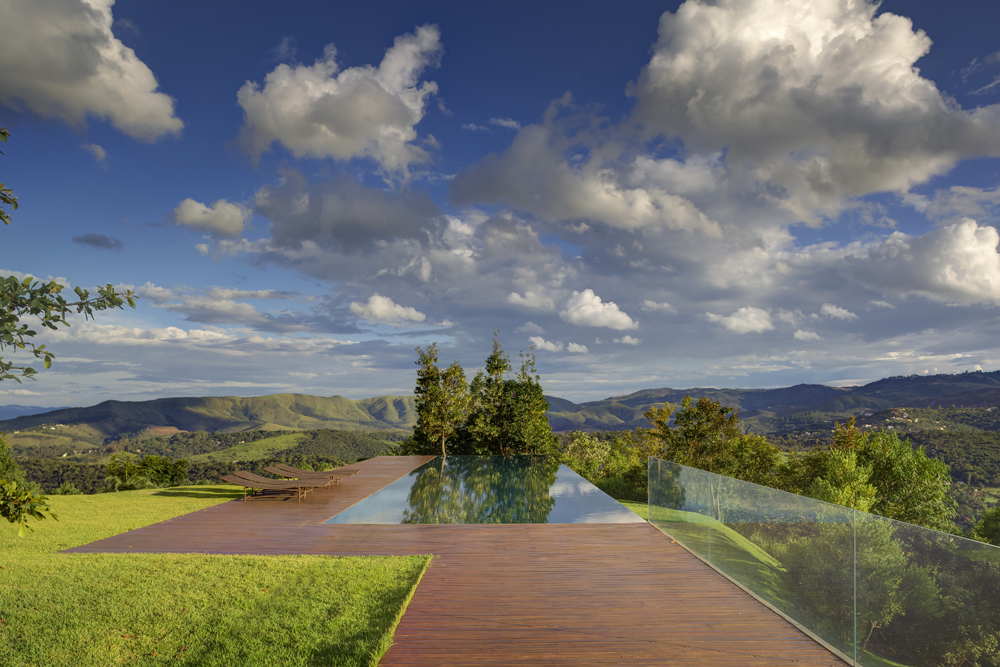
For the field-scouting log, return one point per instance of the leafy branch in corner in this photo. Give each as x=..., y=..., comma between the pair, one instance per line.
x=44, y=301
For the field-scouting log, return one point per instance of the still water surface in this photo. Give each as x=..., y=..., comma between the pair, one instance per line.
x=489, y=489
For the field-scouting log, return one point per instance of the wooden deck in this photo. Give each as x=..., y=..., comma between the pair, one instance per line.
x=563, y=594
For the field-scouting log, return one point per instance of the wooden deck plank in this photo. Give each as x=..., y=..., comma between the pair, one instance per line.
x=529, y=594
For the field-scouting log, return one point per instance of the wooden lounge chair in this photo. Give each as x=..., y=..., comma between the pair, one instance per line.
x=304, y=474
x=262, y=487
x=303, y=483
x=327, y=479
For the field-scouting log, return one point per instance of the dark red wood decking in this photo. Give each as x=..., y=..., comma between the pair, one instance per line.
x=537, y=594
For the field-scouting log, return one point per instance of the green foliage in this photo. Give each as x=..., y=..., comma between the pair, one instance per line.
x=19, y=503
x=442, y=399
x=988, y=527
x=617, y=464
x=7, y=197
x=507, y=415
x=909, y=486
x=707, y=436
x=124, y=473
x=68, y=489
x=30, y=298
x=844, y=482
x=500, y=416
x=9, y=469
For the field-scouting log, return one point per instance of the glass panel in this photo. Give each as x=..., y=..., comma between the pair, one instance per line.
x=793, y=552
x=925, y=598
x=879, y=591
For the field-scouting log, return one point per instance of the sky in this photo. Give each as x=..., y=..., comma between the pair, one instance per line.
x=727, y=193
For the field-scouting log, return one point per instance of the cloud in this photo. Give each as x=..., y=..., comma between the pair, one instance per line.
x=155, y=294
x=472, y=127
x=576, y=348
x=957, y=202
x=807, y=335
x=60, y=59
x=508, y=123
x=529, y=327
x=748, y=319
x=531, y=300
x=837, y=312
x=586, y=309
x=816, y=101
x=342, y=214
x=956, y=264
x=533, y=174
x=543, y=344
x=321, y=111
x=382, y=309
x=96, y=151
x=882, y=304
x=628, y=340
x=650, y=306
x=98, y=241
x=220, y=219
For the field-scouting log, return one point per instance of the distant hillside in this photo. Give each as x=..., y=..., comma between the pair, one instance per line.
x=768, y=411
x=12, y=411
x=787, y=408
x=230, y=413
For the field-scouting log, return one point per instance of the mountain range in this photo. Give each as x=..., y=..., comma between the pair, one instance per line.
x=761, y=410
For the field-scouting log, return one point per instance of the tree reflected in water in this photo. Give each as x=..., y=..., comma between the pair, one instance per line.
x=483, y=489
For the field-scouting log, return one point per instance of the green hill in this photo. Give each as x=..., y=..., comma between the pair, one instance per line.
x=112, y=419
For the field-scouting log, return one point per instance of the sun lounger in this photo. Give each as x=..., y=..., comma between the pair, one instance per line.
x=280, y=485
x=327, y=480
x=295, y=473
x=304, y=483
x=303, y=474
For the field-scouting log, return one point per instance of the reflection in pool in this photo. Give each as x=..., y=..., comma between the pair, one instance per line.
x=489, y=489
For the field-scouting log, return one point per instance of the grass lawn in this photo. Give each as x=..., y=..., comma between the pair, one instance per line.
x=186, y=609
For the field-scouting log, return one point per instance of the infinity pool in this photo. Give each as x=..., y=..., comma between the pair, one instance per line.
x=489, y=489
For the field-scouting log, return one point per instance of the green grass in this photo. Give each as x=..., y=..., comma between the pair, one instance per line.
x=261, y=449
x=642, y=509
x=187, y=609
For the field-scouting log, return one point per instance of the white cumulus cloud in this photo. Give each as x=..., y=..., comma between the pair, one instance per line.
x=628, y=340
x=821, y=99
x=222, y=218
x=651, y=306
x=384, y=310
x=529, y=327
x=837, y=312
x=576, y=348
x=322, y=111
x=531, y=300
x=748, y=319
x=543, y=344
x=587, y=309
x=60, y=59
x=807, y=335
x=954, y=264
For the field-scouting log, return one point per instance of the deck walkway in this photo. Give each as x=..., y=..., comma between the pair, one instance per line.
x=535, y=594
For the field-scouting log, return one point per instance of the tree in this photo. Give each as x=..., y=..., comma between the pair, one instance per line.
x=908, y=485
x=442, y=400
x=707, y=436
x=29, y=298
x=507, y=415
x=18, y=500
x=987, y=528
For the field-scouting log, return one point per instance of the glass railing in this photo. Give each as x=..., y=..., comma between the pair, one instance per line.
x=876, y=591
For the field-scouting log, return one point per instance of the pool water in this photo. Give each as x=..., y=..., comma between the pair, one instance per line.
x=489, y=489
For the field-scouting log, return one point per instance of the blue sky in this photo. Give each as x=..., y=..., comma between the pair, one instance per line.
x=740, y=193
